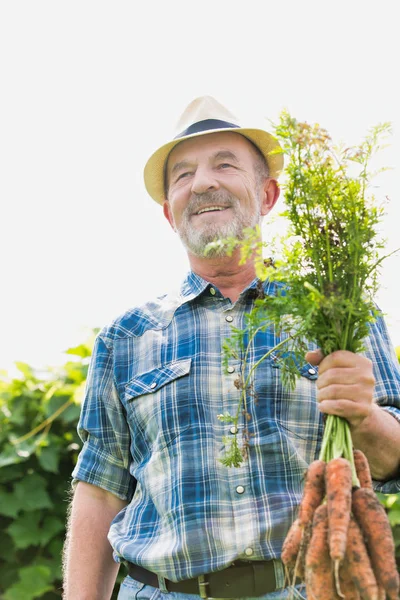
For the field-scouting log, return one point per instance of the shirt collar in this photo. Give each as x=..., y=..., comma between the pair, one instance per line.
x=193, y=285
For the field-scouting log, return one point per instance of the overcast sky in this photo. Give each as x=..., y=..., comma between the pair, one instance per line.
x=91, y=89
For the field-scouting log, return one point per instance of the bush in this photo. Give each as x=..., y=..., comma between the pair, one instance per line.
x=38, y=451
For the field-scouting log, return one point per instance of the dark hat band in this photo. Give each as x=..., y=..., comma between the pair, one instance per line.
x=205, y=125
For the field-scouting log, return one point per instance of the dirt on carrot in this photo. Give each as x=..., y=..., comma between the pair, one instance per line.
x=362, y=469
x=372, y=519
x=347, y=586
x=291, y=546
x=341, y=545
x=320, y=584
x=314, y=492
x=338, y=494
x=359, y=564
x=300, y=567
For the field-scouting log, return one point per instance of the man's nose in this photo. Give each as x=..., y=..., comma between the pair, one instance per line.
x=203, y=181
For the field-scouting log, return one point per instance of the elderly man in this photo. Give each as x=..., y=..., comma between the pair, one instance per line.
x=150, y=488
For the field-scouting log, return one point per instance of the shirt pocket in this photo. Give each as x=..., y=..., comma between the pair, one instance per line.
x=296, y=411
x=158, y=406
x=304, y=369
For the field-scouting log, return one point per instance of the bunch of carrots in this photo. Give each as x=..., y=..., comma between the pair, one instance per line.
x=341, y=544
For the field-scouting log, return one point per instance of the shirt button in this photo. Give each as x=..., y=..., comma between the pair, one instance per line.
x=153, y=385
x=312, y=371
x=212, y=291
x=231, y=369
x=229, y=319
x=234, y=429
x=249, y=552
x=240, y=489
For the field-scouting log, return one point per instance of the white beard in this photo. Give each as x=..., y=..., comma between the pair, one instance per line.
x=196, y=240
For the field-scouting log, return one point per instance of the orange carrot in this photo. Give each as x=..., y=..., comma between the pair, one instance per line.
x=338, y=493
x=362, y=469
x=291, y=545
x=314, y=491
x=375, y=526
x=359, y=564
x=300, y=568
x=320, y=584
x=347, y=584
x=294, y=549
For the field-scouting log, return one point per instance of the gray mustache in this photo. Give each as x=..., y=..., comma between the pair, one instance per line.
x=196, y=203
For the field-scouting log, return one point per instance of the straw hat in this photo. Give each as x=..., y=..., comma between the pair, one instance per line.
x=205, y=115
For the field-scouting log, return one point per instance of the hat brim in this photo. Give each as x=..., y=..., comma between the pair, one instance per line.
x=265, y=142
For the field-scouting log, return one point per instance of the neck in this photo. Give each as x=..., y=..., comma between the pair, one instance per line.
x=230, y=277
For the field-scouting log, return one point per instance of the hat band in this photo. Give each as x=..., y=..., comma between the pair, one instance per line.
x=205, y=125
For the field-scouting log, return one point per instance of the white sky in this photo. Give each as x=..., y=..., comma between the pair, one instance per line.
x=90, y=89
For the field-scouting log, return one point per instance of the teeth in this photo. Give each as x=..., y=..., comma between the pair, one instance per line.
x=210, y=208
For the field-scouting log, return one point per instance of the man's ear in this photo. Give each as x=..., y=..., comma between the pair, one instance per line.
x=270, y=195
x=168, y=214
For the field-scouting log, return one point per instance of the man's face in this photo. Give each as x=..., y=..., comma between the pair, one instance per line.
x=213, y=189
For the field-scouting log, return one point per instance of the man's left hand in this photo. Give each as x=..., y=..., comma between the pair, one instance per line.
x=345, y=385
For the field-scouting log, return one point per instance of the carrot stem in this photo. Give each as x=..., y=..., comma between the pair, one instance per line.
x=337, y=442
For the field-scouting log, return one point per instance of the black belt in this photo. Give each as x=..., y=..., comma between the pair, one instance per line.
x=240, y=580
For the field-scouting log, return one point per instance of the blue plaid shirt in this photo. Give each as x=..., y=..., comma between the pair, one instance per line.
x=152, y=437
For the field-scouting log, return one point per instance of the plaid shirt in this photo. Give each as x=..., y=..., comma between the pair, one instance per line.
x=152, y=437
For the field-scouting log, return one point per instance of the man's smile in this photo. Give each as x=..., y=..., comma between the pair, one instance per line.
x=208, y=209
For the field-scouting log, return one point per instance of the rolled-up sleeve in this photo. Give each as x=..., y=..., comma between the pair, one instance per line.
x=105, y=457
x=387, y=385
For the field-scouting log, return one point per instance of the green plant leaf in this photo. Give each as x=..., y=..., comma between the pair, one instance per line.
x=25, y=369
x=394, y=517
x=49, y=458
x=396, y=537
x=31, y=491
x=9, y=456
x=76, y=372
x=8, y=575
x=34, y=582
x=18, y=413
x=6, y=548
x=25, y=530
x=34, y=475
x=71, y=414
x=50, y=527
x=8, y=505
x=11, y=473
x=82, y=350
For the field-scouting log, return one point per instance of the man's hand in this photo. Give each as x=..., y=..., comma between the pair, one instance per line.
x=345, y=385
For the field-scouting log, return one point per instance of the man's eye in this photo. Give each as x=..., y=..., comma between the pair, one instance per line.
x=182, y=175
x=224, y=166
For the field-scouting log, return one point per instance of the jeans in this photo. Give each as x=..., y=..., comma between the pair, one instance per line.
x=134, y=590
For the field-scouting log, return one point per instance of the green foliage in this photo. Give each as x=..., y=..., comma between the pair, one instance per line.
x=328, y=263
x=391, y=503
x=33, y=582
x=326, y=267
x=39, y=446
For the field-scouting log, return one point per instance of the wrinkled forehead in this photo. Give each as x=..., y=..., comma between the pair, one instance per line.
x=208, y=145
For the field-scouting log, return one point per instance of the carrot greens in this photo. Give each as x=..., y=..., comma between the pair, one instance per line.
x=326, y=268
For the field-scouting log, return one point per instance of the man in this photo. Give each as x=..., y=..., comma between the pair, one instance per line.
x=149, y=483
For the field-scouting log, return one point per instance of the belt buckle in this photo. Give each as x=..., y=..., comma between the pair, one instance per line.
x=202, y=586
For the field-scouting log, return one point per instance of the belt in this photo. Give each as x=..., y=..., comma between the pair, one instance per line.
x=240, y=580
